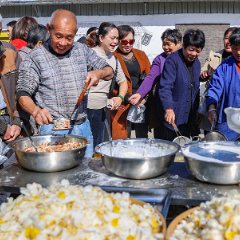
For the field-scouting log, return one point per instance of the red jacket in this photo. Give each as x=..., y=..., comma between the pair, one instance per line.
x=19, y=43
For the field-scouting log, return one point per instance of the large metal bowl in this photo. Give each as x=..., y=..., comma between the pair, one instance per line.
x=137, y=158
x=49, y=161
x=215, y=162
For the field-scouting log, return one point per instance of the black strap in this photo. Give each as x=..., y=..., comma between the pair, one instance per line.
x=115, y=76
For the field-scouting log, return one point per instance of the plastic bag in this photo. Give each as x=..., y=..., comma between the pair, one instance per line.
x=3, y=150
x=202, y=105
x=136, y=113
x=202, y=102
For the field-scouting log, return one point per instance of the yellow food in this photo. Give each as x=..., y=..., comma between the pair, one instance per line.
x=64, y=211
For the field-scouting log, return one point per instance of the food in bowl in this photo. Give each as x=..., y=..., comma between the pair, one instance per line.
x=218, y=219
x=64, y=211
x=57, y=147
x=61, y=123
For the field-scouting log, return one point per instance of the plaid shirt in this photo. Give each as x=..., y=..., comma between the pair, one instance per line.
x=55, y=82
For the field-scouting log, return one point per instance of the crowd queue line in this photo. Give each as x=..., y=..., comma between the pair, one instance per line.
x=48, y=70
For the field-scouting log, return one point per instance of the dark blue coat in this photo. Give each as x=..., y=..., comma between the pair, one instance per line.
x=175, y=91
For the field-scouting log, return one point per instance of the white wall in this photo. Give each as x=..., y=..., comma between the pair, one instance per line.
x=153, y=25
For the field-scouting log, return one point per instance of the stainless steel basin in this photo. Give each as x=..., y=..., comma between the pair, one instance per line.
x=49, y=161
x=215, y=162
x=137, y=158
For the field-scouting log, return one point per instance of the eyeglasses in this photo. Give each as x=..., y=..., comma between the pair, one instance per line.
x=125, y=42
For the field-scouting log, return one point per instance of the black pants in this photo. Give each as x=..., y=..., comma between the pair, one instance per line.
x=141, y=129
x=162, y=132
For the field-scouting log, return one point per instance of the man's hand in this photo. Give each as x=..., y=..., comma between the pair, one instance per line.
x=93, y=78
x=169, y=116
x=42, y=116
x=11, y=133
x=205, y=74
x=134, y=99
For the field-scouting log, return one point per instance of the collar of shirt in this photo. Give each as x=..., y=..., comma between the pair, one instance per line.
x=60, y=56
x=103, y=54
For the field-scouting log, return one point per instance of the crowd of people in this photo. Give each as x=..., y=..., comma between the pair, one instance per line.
x=43, y=72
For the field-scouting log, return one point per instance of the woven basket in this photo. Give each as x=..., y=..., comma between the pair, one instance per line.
x=177, y=220
x=163, y=228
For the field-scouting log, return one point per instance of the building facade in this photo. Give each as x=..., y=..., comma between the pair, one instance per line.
x=148, y=18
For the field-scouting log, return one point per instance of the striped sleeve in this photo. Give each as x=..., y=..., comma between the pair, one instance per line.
x=28, y=78
x=94, y=61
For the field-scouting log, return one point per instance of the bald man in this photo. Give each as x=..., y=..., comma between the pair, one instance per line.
x=52, y=77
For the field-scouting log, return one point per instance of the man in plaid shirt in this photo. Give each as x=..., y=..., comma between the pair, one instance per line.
x=52, y=77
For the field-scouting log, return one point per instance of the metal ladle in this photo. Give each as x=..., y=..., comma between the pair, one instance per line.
x=58, y=120
x=25, y=129
x=109, y=135
x=180, y=139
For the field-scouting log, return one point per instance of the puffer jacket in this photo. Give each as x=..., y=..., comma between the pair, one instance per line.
x=9, y=64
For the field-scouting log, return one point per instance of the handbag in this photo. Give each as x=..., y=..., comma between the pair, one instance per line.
x=142, y=77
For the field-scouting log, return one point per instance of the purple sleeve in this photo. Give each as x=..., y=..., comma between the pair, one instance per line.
x=153, y=77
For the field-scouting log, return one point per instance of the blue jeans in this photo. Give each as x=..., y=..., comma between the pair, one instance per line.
x=80, y=130
x=223, y=128
x=97, y=118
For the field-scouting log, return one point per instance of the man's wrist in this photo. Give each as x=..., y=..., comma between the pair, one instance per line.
x=36, y=111
x=17, y=121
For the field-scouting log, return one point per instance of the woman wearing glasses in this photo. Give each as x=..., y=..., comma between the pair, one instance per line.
x=135, y=65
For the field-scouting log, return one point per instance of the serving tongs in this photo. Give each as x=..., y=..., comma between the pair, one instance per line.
x=57, y=122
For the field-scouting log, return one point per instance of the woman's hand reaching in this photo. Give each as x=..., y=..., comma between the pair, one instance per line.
x=169, y=116
x=134, y=99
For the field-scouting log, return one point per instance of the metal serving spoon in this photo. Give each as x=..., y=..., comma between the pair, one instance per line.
x=57, y=122
x=25, y=129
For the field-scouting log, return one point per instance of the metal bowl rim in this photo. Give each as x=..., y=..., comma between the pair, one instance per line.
x=209, y=142
x=64, y=135
x=138, y=139
x=222, y=134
